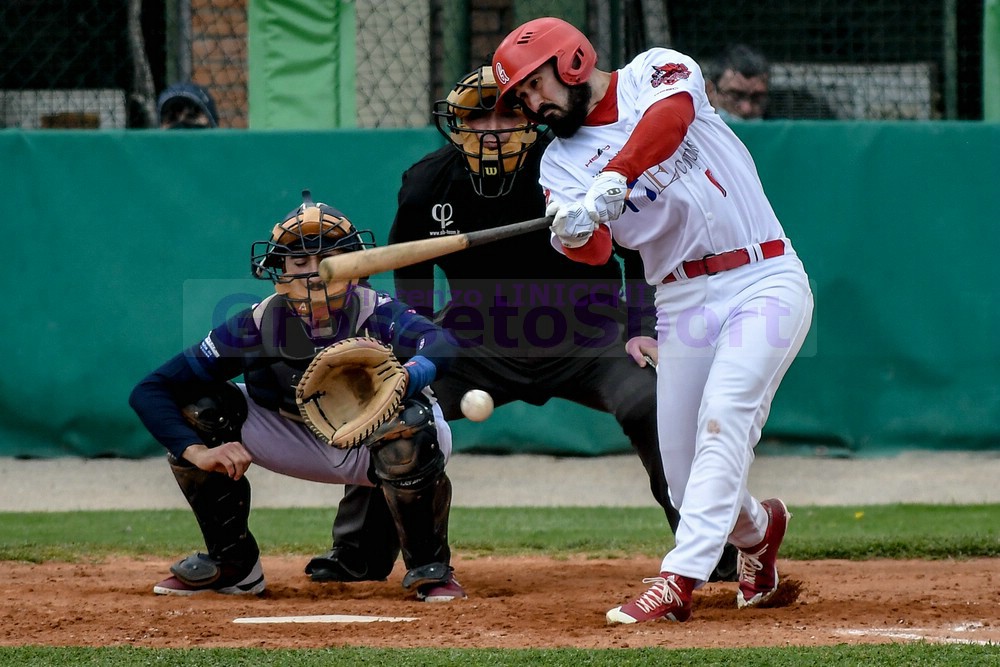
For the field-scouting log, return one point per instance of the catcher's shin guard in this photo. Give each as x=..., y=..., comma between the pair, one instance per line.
x=418, y=493
x=222, y=507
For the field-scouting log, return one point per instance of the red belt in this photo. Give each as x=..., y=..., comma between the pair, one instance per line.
x=709, y=265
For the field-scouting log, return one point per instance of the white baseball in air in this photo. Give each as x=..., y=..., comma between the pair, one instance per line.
x=477, y=405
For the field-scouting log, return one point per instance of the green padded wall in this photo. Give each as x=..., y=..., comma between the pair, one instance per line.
x=122, y=247
x=302, y=64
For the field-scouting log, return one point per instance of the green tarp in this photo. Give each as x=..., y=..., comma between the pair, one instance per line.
x=122, y=247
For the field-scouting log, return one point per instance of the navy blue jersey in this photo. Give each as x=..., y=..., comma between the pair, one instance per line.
x=270, y=347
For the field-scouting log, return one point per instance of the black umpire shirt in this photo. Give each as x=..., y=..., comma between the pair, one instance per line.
x=518, y=296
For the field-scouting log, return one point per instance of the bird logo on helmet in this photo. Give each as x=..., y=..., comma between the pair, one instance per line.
x=535, y=43
x=290, y=258
x=494, y=151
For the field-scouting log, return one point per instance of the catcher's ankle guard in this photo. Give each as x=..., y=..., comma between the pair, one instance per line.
x=432, y=573
x=196, y=570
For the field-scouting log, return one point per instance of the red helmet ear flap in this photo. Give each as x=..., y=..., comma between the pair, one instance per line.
x=574, y=68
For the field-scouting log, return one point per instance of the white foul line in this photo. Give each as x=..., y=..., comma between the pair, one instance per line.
x=327, y=618
x=918, y=634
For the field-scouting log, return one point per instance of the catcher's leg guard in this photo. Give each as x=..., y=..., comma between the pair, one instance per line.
x=365, y=540
x=222, y=507
x=418, y=493
x=220, y=504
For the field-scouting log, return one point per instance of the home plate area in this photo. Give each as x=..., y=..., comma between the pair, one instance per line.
x=325, y=618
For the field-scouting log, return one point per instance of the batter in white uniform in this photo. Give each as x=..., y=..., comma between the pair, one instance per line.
x=642, y=156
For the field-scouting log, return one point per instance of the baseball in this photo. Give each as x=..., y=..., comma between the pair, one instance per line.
x=477, y=405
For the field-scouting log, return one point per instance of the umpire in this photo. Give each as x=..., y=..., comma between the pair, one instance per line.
x=534, y=324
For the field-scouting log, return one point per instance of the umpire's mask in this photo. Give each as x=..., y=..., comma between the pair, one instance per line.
x=494, y=143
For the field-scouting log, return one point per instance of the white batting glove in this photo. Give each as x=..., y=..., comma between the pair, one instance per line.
x=572, y=225
x=605, y=200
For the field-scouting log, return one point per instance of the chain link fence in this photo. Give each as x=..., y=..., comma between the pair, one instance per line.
x=850, y=59
x=101, y=63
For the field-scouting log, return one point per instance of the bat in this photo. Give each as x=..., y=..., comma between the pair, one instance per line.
x=362, y=263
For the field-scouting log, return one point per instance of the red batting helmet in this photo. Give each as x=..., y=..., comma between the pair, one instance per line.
x=535, y=43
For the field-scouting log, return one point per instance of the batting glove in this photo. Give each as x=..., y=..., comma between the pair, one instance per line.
x=571, y=225
x=605, y=199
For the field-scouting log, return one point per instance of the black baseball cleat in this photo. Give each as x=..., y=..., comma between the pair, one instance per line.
x=727, y=569
x=342, y=564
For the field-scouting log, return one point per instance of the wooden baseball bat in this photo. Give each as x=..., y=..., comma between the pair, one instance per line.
x=368, y=262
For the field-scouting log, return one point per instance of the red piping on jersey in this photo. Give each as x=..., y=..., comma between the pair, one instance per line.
x=606, y=111
x=657, y=135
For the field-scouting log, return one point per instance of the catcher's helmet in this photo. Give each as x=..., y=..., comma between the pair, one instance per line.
x=493, y=155
x=536, y=42
x=311, y=229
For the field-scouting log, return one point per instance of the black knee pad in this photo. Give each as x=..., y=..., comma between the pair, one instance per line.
x=217, y=413
x=411, y=463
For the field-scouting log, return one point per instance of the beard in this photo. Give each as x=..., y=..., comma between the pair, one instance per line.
x=577, y=102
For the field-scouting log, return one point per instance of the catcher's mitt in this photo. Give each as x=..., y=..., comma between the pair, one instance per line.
x=349, y=390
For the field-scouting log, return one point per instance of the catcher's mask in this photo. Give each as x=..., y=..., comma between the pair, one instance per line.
x=290, y=258
x=494, y=143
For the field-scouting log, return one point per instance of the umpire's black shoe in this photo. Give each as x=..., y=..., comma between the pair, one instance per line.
x=727, y=569
x=343, y=564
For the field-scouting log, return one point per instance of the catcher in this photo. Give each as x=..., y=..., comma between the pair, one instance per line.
x=324, y=399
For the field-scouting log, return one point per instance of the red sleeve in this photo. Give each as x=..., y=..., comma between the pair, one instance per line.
x=596, y=251
x=657, y=135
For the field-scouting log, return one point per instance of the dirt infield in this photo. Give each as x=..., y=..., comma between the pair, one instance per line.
x=513, y=603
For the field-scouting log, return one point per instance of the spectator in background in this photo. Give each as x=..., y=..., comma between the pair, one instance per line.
x=737, y=83
x=186, y=106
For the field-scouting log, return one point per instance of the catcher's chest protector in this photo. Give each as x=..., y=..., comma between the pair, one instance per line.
x=287, y=349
